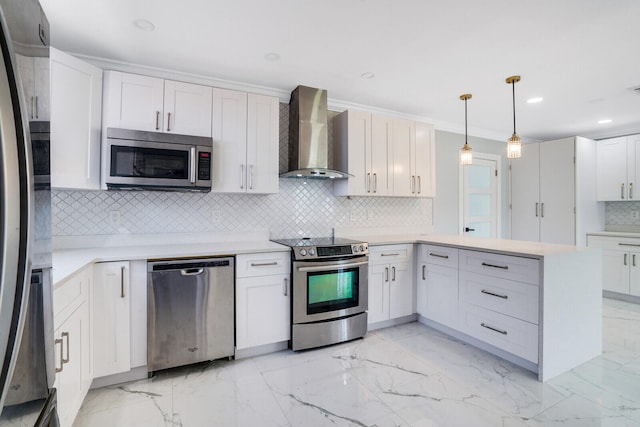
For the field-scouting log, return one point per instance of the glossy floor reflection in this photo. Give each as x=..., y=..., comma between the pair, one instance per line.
x=408, y=375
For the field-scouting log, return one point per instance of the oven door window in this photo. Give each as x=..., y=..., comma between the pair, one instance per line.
x=138, y=162
x=332, y=290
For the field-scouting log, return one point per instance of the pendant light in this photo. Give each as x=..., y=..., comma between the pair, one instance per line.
x=466, y=156
x=514, y=147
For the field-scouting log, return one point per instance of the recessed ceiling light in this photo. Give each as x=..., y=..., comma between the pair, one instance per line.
x=534, y=100
x=272, y=56
x=144, y=25
x=604, y=121
x=368, y=75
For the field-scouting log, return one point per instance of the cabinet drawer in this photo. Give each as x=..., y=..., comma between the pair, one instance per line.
x=263, y=264
x=439, y=255
x=614, y=243
x=514, y=299
x=504, y=266
x=388, y=254
x=512, y=335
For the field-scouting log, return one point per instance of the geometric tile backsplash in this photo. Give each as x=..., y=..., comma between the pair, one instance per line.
x=620, y=213
x=299, y=209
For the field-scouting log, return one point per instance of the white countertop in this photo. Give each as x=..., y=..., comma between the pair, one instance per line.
x=614, y=234
x=68, y=261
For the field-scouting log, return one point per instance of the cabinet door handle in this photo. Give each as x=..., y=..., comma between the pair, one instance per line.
x=375, y=182
x=250, y=177
x=33, y=107
x=622, y=190
x=541, y=210
x=537, y=205
x=633, y=260
x=368, y=182
x=168, y=122
x=56, y=342
x=628, y=244
x=493, y=294
x=630, y=186
x=625, y=259
x=157, y=120
x=386, y=274
x=122, y=281
x=37, y=107
x=286, y=286
x=419, y=184
x=503, y=267
x=393, y=274
x=263, y=264
x=390, y=254
x=242, y=176
x=66, y=334
x=438, y=255
x=501, y=331
x=424, y=272
x=413, y=184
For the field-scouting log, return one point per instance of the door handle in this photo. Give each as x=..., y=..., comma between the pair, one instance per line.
x=438, y=255
x=413, y=184
x=493, y=294
x=157, y=120
x=419, y=184
x=286, y=286
x=122, y=281
x=191, y=271
x=500, y=331
x=368, y=182
x=263, y=264
x=33, y=108
x=541, y=210
x=424, y=272
x=503, y=267
x=250, y=177
x=337, y=266
x=242, y=176
x=386, y=274
x=168, y=122
x=625, y=259
x=192, y=165
x=393, y=274
x=633, y=260
x=66, y=335
x=537, y=206
x=37, y=108
x=622, y=190
x=375, y=182
x=630, y=184
x=467, y=229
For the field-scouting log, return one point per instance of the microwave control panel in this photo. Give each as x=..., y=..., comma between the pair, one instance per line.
x=204, y=166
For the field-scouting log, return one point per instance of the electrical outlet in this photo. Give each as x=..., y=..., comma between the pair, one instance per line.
x=635, y=215
x=114, y=218
x=215, y=216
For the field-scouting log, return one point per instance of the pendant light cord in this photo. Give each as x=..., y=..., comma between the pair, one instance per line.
x=465, y=121
x=513, y=98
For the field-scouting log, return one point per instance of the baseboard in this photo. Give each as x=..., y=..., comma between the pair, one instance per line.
x=261, y=349
x=133, y=375
x=392, y=322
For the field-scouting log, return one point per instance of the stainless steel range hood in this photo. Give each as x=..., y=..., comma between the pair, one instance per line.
x=308, y=135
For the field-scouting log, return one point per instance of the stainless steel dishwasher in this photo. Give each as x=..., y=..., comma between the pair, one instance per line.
x=190, y=311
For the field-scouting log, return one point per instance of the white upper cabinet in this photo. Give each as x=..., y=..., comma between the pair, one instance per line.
x=36, y=83
x=245, y=142
x=153, y=104
x=76, y=114
x=618, y=168
x=387, y=156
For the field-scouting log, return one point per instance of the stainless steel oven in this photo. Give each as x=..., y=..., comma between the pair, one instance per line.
x=157, y=161
x=329, y=291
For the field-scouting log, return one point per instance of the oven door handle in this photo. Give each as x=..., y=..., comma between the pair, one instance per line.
x=333, y=267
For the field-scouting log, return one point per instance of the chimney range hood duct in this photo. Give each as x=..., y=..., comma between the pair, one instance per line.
x=308, y=135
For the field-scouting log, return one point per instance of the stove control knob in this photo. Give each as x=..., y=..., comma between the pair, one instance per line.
x=355, y=249
x=303, y=252
x=312, y=252
x=361, y=248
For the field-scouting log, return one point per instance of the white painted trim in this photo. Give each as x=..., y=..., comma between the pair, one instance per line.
x=484, y=156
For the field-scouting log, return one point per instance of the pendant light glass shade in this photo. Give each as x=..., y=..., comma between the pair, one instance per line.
x=466, y=154
x=514, y=147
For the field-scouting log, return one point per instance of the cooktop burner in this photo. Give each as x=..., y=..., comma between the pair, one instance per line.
x=324, y=247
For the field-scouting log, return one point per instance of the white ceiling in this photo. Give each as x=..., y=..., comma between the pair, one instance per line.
x=581, y=56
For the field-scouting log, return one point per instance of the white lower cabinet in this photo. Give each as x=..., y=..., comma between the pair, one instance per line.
x=620, y=263
x=437, y=284
x=262, y=299
x=73, y=341
x=391, y=291
x=111, y=312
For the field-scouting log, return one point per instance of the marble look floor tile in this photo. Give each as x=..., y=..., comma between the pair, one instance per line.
x=406, y=375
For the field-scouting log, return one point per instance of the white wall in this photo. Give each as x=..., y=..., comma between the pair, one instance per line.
x=446, y=209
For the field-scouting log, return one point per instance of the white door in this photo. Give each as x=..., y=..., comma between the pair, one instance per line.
x=611, y=169
x=633, y=167
x=480, y=197
x=379, y=159
x=134, y=101
x=262, y=144
x=404, y=135
x=400, y=290
x=187, y=108
x=525, y=194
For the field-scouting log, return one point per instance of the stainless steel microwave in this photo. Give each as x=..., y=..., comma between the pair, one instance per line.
x=139, y=160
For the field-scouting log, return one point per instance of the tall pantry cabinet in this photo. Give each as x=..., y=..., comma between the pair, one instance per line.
x=553, y=192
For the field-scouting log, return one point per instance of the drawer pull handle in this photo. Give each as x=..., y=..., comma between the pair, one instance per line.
x=438, y=255
x=424, y=275
x=503, y=267
x=500, y=331
x=390, y=254
x=628, y=244
x=263, y=264
x=484, y=291
x=66, y=334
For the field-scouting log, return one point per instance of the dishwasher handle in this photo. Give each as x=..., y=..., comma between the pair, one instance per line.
x=191, y=271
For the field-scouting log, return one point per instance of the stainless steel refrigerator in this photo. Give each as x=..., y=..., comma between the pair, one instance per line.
x=27, y=371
